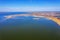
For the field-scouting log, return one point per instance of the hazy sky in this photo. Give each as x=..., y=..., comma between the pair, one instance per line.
x=29, y=5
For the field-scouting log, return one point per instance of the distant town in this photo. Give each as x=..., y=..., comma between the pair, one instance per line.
x=50, y=14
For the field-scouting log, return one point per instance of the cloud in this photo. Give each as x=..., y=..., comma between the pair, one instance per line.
x=46, y=9
x=28, y=9
x=15, y=9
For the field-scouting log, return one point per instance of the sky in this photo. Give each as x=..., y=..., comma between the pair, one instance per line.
x=29, y=5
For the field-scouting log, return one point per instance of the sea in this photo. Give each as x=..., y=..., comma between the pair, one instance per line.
x=27, y=27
